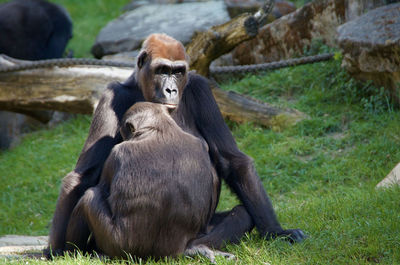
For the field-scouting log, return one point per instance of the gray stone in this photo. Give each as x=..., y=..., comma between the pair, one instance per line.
x=356, y=8
x=371, y=47
x=138, y=3
x=128, y=31
x=13, y=126
x=393, y=178
x=17, y=240
x=16, y=247
x=237, y=7
x=128, y=57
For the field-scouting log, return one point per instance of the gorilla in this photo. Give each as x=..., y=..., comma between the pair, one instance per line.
x=34, y=29
x=161, y=76
x=155, y=194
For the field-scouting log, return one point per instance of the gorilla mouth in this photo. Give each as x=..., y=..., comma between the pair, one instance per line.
x=170, y=105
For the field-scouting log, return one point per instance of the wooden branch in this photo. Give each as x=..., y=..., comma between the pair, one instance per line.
x=77, y=90
x=207, y=46
x=218, y=40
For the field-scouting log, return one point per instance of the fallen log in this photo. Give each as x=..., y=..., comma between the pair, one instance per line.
x=240, y=108
x=77, y=89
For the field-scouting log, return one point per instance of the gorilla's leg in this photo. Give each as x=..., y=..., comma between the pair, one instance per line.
x=78, y=231
x=67, y=200
x=96, y=212
x=225, y=227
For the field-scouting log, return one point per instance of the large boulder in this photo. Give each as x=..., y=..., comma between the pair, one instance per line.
x=138, y=3
x=371, y=47
x=289, y=35
x=180, y=21
x=356, y=8
x=237, y=7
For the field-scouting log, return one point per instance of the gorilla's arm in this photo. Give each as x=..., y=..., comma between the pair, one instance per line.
x=103, y=135
x=232, y=165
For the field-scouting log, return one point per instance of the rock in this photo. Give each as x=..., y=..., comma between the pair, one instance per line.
x=128, y=31
x=289, y=35
x=13, y=126
x=237, y=7
x=128, y=57
x=393, y=178
x=17, y=247
x=371, y=46
x=17, y=240
x=138, y=3
x=356, y=8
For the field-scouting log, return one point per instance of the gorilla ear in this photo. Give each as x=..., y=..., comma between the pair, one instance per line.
x=130, y=127
x=141, y=59
x=127, y=130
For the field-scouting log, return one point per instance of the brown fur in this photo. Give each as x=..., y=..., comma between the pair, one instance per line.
x=160, y=183
x=163, y=46
x=197, y=114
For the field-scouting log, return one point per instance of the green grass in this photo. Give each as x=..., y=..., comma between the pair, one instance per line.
x=31, y=176
x=88, y=18
x=320, y=174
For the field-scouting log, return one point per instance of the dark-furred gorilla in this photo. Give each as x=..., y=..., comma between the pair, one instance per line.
x=156, y=208
x=34, y=29
x=161, y=76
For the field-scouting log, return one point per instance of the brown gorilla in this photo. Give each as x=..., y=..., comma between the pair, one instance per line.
x=156, y=191
x=162, y=76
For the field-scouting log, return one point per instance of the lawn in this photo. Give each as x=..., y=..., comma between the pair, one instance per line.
x=320, y=174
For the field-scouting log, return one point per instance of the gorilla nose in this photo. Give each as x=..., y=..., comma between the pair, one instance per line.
x=170, y=93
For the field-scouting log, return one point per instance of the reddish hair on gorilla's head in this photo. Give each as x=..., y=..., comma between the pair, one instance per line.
x=163, y=46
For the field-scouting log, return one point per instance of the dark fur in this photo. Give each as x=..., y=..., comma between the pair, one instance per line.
x=34, y=29
x=198, y=115
x=153, y=209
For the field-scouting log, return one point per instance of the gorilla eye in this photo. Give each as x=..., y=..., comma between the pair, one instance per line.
x=179, y=71
x=163, y=70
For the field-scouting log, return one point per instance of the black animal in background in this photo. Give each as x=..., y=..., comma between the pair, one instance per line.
x=156, y=192
x=34, y=29
x=162, y=76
